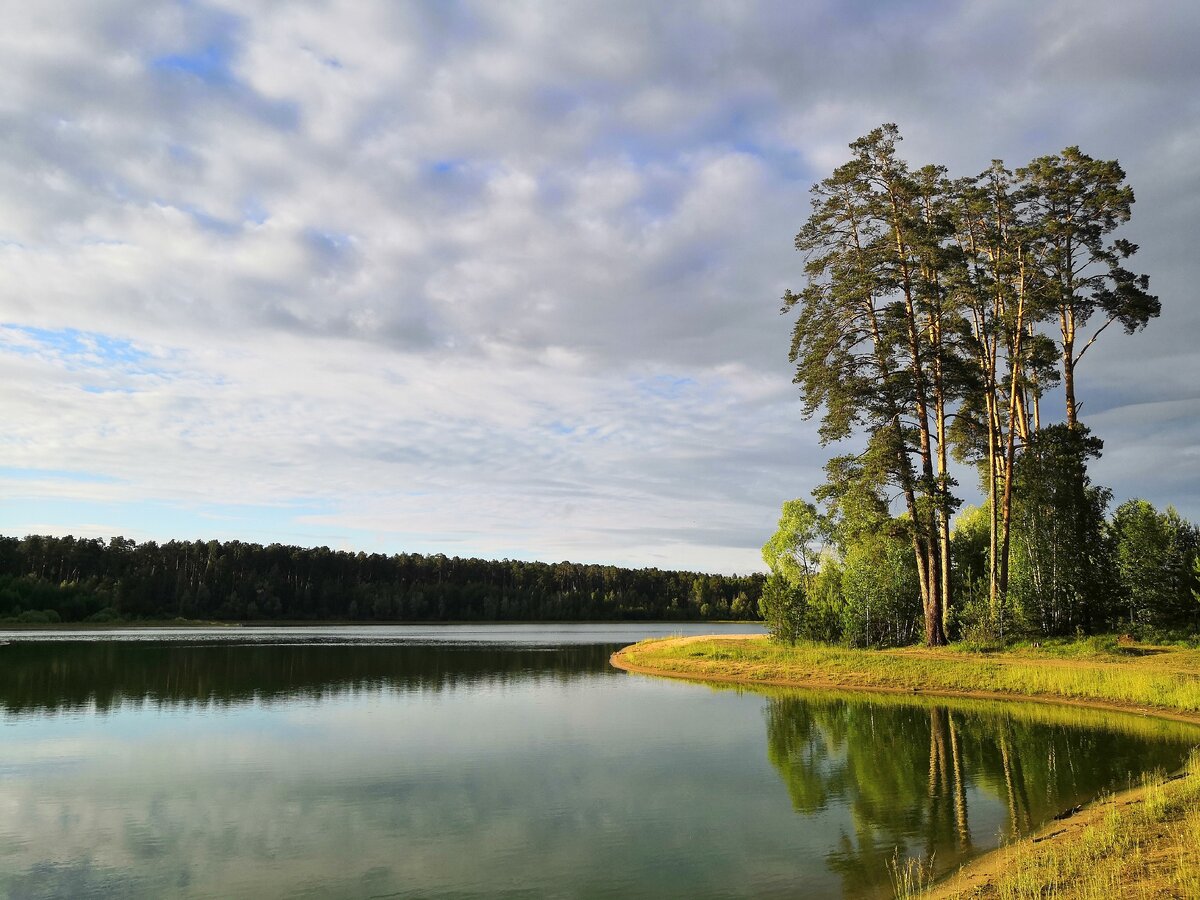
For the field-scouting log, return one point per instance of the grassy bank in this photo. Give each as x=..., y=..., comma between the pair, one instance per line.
x=1141, y=843
x=1165, y=680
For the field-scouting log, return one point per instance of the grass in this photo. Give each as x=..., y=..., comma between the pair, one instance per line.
x=1160, y=678
x=1141, y=845
x=910, y=877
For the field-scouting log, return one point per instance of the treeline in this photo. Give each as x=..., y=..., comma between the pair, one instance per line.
x=939, y=314
x=51, y=579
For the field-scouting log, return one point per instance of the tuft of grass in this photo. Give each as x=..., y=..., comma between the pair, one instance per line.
x=910, y=875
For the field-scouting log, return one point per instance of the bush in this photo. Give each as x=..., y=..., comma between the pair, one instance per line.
x=39, y=617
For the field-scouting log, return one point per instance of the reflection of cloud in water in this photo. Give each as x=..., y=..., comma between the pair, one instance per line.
x=389, y=793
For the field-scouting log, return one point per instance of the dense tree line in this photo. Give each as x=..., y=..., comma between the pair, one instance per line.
x=1135, y=571
x=89, y=579
x=938, y=313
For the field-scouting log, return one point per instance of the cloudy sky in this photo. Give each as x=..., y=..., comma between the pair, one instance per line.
x=502, y=279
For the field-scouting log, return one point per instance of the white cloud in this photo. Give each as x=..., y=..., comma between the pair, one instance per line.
x=421, y=265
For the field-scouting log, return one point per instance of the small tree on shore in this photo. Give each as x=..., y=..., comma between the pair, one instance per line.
x=781, y=606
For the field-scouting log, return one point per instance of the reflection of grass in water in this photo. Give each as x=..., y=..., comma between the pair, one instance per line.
x=1146, y=845
x=1169, y=680
x=1130, y=723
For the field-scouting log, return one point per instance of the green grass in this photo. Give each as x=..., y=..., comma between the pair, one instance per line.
x=1166, y=679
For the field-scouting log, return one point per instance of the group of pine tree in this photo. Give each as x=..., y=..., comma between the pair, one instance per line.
x=942, y=320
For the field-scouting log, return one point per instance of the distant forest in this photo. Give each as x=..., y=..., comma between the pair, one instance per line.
x=66, y=579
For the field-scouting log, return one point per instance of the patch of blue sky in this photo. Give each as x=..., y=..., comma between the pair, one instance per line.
x=77, y=349
x=209, y=222
x=666, y=387
x=72, y=342
x=329, y=247
x=329, y=62
x=211, y=63
x=253, y=211
x=338, y=240
x=181, y=152
x=20, y=473
x=455, y=179
x=561, y=428
x=787, y=162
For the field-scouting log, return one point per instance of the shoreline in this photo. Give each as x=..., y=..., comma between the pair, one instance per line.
x=619, y=661
x=150, y=624
x=980, y=873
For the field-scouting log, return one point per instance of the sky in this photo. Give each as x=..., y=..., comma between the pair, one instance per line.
x=503, y=279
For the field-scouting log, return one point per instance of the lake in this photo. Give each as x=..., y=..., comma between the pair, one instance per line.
x=500, y=761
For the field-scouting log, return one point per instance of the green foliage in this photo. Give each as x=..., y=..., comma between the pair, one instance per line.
x=974, y=620
x=969, y=543
x=741, y=608
x=881, y=596
x=1061, y=568
x=792, y=551
x=1155, y=554
x=782, y=608
x=825, y=610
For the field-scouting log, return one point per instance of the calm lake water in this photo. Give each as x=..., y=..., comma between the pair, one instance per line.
x=499, y=761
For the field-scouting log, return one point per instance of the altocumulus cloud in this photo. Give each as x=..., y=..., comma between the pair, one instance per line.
x=503, y=279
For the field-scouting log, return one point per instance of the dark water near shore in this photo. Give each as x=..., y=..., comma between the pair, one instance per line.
x=511, y=761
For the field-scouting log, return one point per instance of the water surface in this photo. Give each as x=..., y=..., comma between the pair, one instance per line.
x=471, y=761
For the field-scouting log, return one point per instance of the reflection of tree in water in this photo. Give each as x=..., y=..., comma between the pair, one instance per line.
x=907, y=775
x=58, y=676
